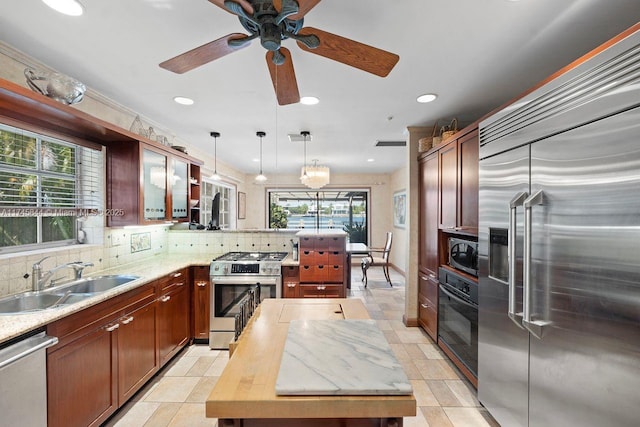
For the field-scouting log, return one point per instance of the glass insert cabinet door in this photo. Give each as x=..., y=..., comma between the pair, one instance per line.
x=154, y=185
x=179, y=190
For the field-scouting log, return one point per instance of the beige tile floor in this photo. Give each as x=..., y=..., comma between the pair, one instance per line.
x=176, y=396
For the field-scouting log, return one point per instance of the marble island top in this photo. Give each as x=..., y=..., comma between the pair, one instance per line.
x=339, y=357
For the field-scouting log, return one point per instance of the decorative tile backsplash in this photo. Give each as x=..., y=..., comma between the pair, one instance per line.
x=123, y=246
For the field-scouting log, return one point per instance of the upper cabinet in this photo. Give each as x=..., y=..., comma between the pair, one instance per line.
x=148, y=185
x=147, y=182
x=459, y=184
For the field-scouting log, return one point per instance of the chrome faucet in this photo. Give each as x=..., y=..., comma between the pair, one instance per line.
x=39, y=279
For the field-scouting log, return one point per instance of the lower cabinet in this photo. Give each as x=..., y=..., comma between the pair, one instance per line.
x=173, y=315
x=428, y=305
x=81, y=380
x=107, y=352
x=290, y=281
x=201, y=295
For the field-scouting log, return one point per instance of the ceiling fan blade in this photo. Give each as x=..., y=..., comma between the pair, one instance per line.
x=355, y=54
x=283, y=78
x=304, y=7
x=244, y=3
x=203, y=54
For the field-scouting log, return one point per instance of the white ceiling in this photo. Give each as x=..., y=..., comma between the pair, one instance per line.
x=475, y=54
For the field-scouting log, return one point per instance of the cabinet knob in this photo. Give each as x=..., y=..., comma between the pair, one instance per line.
x=174, y=275
x=165, y=298
x=127, y=320
x=201, y=284
x=425, y=305
x=291, y=285
x=180, y=284
x=112, y=328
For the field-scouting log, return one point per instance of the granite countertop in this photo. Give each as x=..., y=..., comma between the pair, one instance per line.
x=154, y=268
x=339, y=357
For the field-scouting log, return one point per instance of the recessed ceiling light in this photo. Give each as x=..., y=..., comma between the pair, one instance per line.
x=183, y=100
x=309, y=100
x=255, y=160
x=68, y=7
x=371, y=160
x=427, y=97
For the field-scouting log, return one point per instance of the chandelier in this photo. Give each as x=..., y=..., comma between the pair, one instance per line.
x=315, y=176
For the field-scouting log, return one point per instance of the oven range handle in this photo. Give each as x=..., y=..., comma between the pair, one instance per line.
x=457, y=298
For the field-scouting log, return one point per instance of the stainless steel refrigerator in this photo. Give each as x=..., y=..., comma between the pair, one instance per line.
x=559, y=248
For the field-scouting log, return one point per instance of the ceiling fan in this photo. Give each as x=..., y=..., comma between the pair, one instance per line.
x=273, y=21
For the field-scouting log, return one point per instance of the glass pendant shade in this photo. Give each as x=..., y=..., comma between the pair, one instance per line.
x=315, y=176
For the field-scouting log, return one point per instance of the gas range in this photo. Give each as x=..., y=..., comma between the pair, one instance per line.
x=248, y=263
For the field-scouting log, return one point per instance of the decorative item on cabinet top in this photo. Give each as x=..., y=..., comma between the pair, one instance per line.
x=138, y=128
x=56, y=86
x=428, y=142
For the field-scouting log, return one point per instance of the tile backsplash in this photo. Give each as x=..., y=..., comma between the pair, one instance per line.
x=118, y=249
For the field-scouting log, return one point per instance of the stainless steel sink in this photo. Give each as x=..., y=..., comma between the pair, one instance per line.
x=95, y=285
x=29, y=302
x=62, y=295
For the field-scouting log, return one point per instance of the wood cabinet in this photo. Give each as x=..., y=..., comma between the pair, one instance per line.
x=459, y=184
x=429, y=168
x=107, y=352
x=147, y=184
x=96, y=366
x=201, y=301
x=323, y=266
x=173, y=315
x=291, y=281
x=448, y=189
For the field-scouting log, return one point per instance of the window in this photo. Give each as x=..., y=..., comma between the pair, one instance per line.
x=227, y=203
x=45, y=184
x=335, y=209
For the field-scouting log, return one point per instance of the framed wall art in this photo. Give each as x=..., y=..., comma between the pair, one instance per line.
x=399, y=208
x=242, y=205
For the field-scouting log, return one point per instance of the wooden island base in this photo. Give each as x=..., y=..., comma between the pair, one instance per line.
x=313, y=422
x=245, y=394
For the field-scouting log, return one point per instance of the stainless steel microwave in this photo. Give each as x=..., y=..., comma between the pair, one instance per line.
x=463, y=255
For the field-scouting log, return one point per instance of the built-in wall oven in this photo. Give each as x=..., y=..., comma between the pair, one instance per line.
x=234, y=278
x=458, y=317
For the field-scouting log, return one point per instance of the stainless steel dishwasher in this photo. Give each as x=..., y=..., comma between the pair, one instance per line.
x=23, y=381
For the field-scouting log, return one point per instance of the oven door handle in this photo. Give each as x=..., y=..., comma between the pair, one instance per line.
x=457, y=298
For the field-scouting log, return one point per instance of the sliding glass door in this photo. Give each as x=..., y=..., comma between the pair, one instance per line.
x=346, y=210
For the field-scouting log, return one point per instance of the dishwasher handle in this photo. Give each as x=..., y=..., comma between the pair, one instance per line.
x=24, y=348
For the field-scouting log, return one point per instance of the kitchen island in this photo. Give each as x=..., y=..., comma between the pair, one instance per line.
x=245, y=395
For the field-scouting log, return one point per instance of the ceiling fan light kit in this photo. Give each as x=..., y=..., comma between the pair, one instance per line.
x=273, y=21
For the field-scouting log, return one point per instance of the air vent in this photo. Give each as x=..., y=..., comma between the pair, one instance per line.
x=296, y=137
x=391, y=143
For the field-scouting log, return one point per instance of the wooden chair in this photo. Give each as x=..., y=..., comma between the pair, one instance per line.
x=380, y=261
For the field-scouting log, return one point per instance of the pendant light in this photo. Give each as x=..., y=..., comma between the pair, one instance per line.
x=303, y=175
x=260, y=177
x=215, y=175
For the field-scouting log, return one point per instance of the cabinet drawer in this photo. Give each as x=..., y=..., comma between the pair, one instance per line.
x=313, y=273
x=335, y=273
x=336, y=258
x=428, y=317
x=428, y=288
x=290, y=271
x=330, y=243
x=321, y=291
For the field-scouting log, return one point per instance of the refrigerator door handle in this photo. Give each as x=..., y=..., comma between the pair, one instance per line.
x=536, y=327
x=518, y=200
